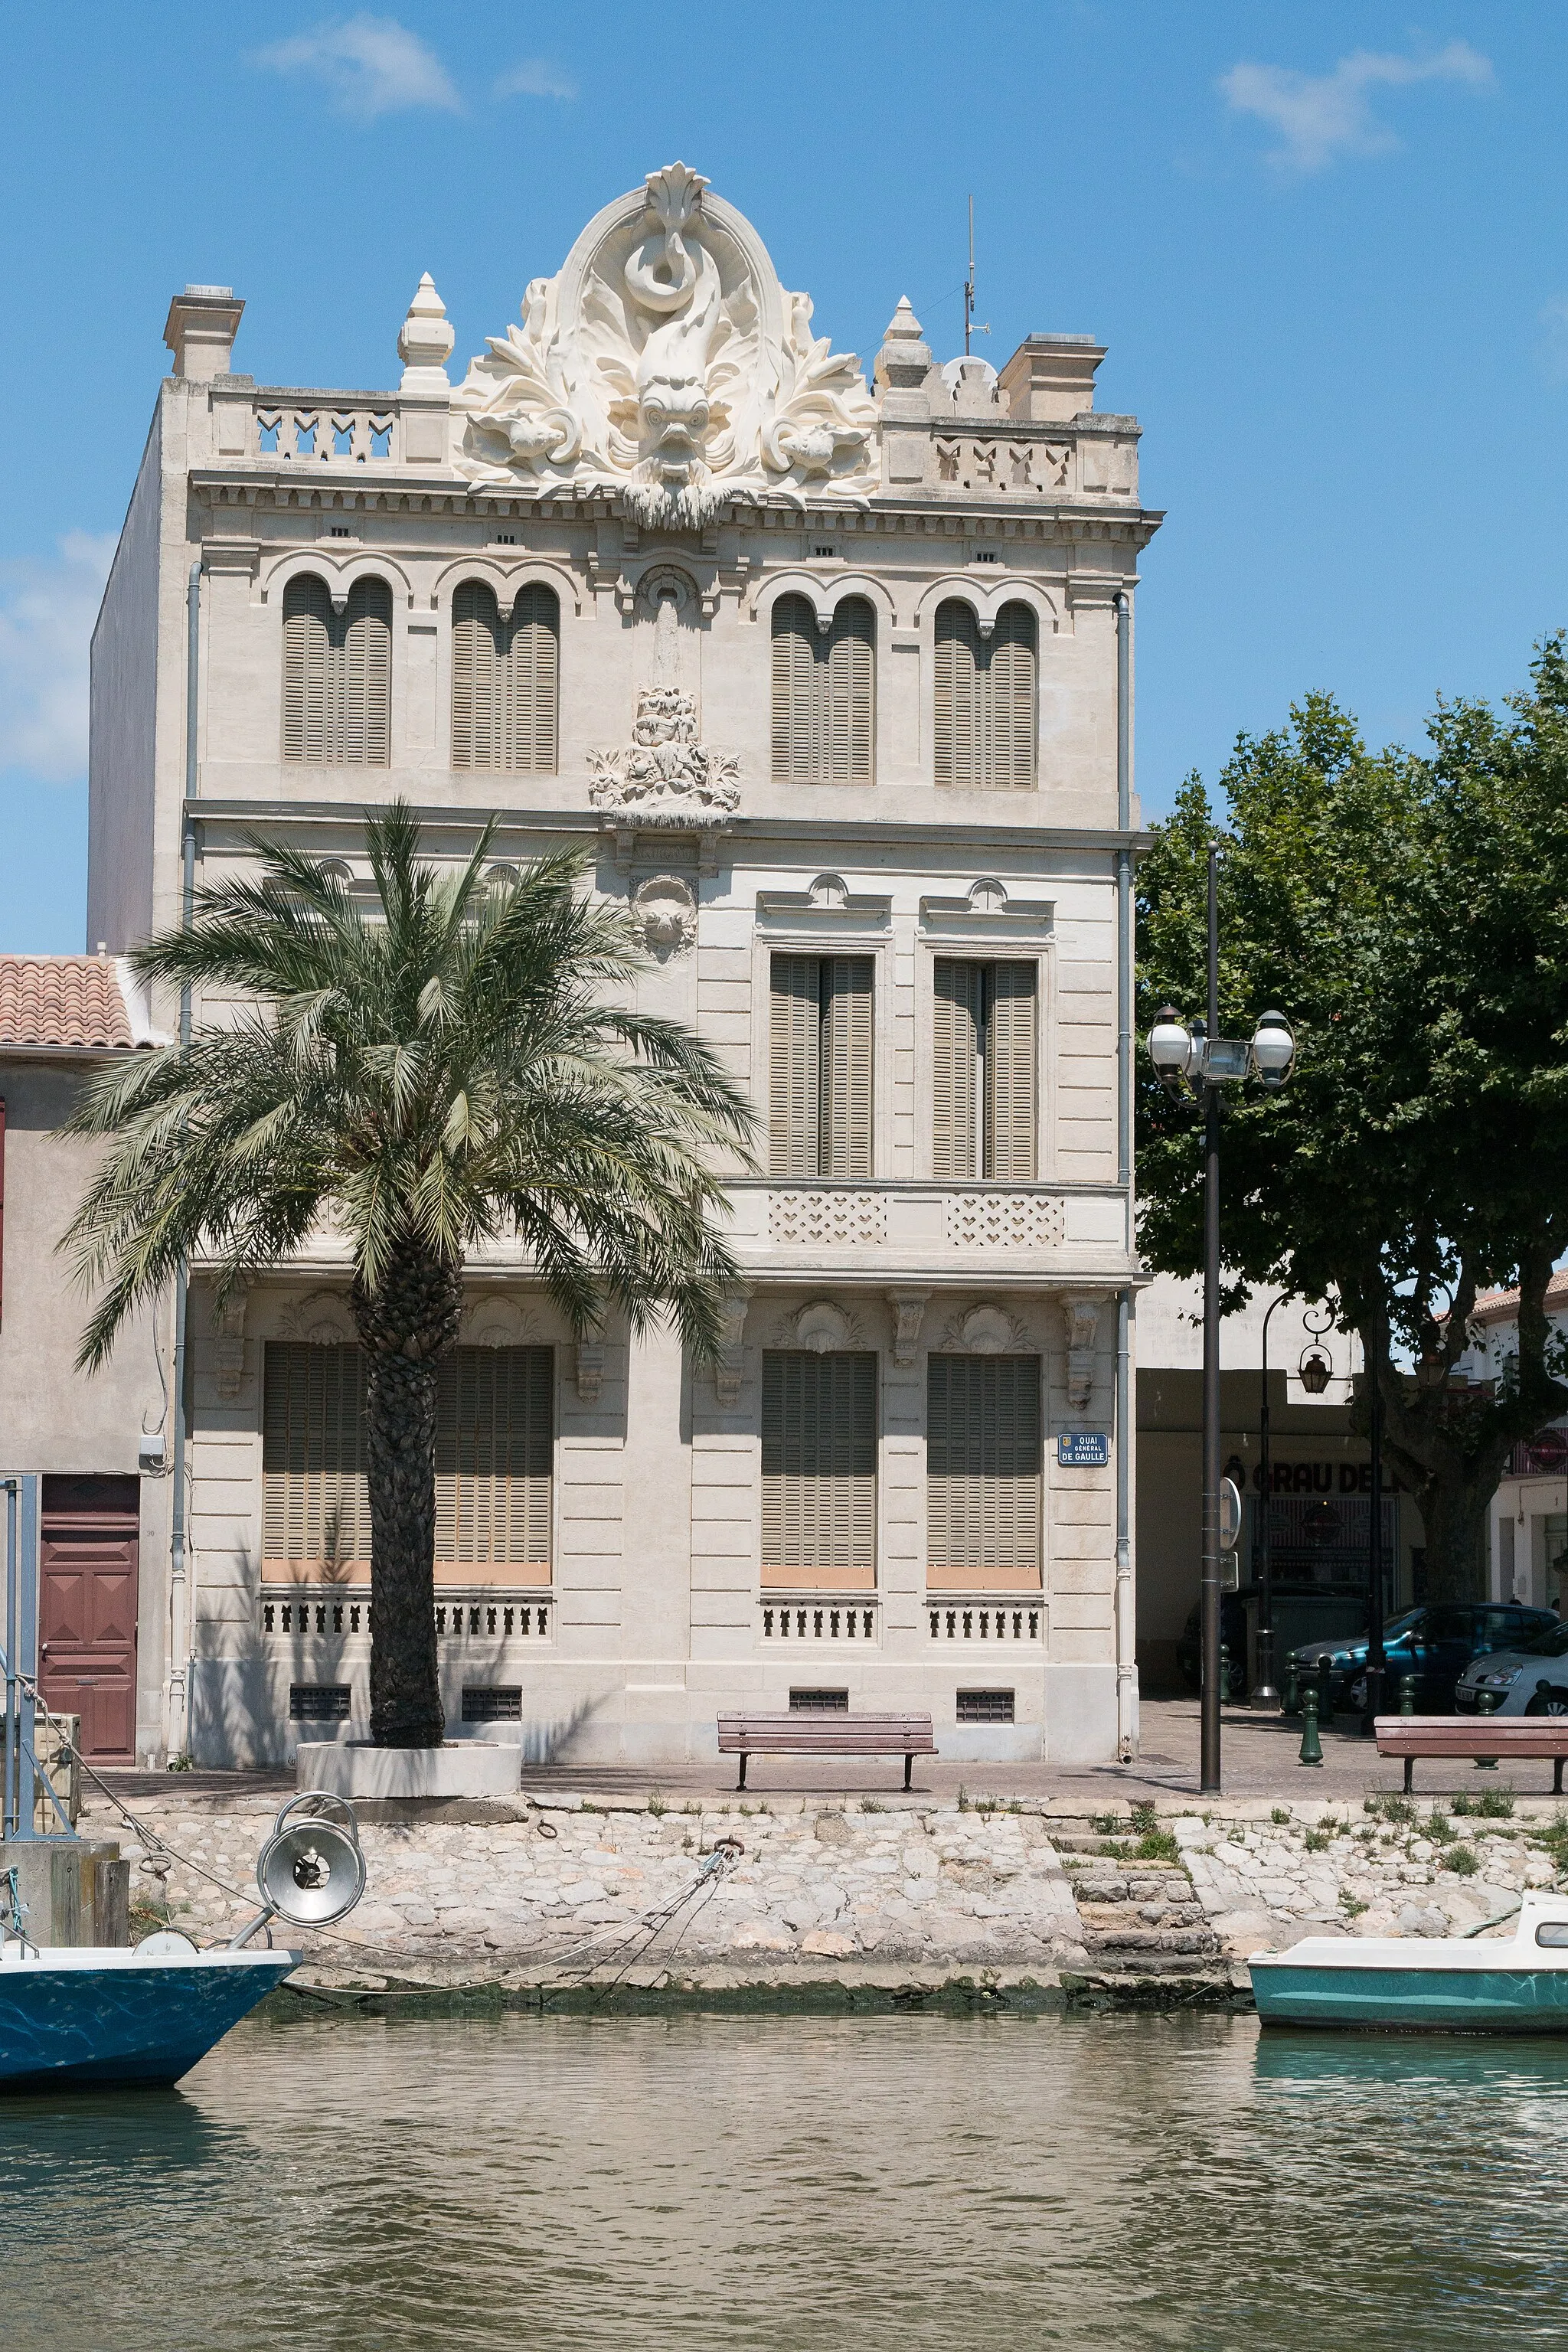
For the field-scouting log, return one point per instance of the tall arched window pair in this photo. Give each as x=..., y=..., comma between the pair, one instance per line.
x=986, y=710
x=337, y=677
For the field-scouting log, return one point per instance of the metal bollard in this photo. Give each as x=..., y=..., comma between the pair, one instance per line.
x=1312, y=1746
x=1406, y=1694
x=1486, y=1703
x=1326, y=1691
x=1292, y=1689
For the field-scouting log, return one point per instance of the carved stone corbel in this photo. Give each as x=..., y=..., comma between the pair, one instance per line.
x=908, y=1313
x=1083, y=1323
x=228, y=1334
x=729, y=1366
x=590, y=1371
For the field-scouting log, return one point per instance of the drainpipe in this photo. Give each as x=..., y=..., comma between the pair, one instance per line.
x=1126, y=1630
x=182, y=1597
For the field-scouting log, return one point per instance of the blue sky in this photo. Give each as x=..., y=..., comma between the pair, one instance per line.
x=1325, y=247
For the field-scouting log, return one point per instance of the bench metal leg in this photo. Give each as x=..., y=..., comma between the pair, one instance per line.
x=1409, y=1774
x=742, y=1781
x=910, y=1766
x=1557, y=1763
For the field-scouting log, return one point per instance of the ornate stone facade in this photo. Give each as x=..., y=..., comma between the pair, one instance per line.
x=665, y=577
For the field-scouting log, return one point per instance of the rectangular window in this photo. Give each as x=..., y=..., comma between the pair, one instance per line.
x=492, y=1703
x=819, y=1469
x=820, y=1027
x=985, y=1707
x=318, y=1702
x=494, y=1447
x=984, y=1479
x=983, y=1063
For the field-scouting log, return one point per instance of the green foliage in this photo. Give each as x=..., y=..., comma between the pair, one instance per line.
x=1280, y=1815
x=454, y=1066
x=1463, y=1859
x=1410, y=916
x=1390, y=1808
x=1157, y=1845
x=1439, y=1827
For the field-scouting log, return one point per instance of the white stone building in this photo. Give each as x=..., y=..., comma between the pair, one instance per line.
x=1527, y=1526
x=828, y=676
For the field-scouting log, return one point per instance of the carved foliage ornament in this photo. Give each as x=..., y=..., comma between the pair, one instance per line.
x=666, y=360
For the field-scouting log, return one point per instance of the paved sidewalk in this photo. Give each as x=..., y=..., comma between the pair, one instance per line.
x=1259, y=1760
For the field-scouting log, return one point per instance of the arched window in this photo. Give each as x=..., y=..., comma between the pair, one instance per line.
x=986, y=719
x=824, y=693
x=337, y=675
x=504, y=678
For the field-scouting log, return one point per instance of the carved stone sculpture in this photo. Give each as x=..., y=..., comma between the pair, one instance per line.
x=666, y=909
x=665, y=776
x=667, y=361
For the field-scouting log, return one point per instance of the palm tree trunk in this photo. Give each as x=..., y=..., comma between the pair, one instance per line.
x=406, y=1328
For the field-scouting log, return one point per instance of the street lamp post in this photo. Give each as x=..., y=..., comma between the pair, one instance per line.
x=1264, y=1692
x=1208, y=1061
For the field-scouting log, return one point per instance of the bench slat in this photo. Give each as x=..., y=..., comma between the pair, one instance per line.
x=1443, y=1735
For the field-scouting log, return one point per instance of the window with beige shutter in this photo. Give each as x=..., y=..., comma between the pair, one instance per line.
x=337, y=675
x=494, y=1456
x=984, y=1473
x=819, y=1469
x=505, y=679
x=821, y=1018
x=823, y=714
x=985, y=1066
x=985, y=722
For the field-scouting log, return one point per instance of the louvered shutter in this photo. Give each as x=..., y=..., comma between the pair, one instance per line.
x=983, y=1471
x=957, y=734
x=1011, y=678
x=476, y=676
x=795, y=1076
x=958, y=996
x=844, y=1087
x=1011, y=1061
x=315, y=1501
x=848, y=671
x=819, y=1468
x=794, y=730
x=363, y=668
x=533, y=681
x=307, y=655
x=494, y=1460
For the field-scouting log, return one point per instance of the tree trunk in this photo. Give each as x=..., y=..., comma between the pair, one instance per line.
x=406, y=1328
x=1454, y=1517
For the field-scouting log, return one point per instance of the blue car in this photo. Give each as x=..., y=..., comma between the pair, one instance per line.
x=1434, y=1644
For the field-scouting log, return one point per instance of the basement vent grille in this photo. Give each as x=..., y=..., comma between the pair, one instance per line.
x=819, y=1701
x=492, y=1703
x=985, y=1707
x=318, y=1702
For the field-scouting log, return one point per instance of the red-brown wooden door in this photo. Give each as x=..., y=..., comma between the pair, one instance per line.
x=87, y=1610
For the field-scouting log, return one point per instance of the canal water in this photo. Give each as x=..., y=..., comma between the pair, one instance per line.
x=867, y=2185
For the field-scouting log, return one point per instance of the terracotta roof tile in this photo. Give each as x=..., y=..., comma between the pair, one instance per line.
x=70, y=1001
x=1495, y=1306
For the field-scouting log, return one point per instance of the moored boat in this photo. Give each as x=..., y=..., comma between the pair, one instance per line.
x=99, y=2013
x=1439, y=1984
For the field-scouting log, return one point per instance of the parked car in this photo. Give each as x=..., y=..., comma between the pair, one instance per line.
x=1232, y=1634
x=1434, y=1644
x=1530, y=1680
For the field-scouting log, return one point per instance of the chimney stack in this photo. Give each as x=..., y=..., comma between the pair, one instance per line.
x=200, y=331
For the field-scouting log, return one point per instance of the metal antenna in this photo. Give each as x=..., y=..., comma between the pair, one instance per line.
x=969, y=326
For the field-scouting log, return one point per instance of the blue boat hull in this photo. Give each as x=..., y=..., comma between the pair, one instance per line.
x=1409, y=2001
x=119, y=2024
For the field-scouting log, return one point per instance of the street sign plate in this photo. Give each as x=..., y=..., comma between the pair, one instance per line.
x=1083, y=1449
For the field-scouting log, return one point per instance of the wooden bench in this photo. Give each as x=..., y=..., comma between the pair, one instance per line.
x=825, y=1732
x=1505, y=1738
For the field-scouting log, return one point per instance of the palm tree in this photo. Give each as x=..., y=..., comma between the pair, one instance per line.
x=444, y=1069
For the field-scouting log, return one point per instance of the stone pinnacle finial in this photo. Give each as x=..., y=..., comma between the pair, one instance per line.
x=425, y=341
x=903, y=326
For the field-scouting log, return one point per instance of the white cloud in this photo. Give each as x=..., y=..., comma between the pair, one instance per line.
x=46, y=612
x=535, y=78
x=1321, y=116
x=371, y=65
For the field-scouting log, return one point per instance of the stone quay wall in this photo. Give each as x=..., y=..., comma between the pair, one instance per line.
x=575, y=1890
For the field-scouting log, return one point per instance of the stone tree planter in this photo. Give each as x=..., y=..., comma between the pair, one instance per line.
x=459, y=1767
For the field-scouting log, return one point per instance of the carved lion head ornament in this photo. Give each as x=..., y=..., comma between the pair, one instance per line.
x=666, y=360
